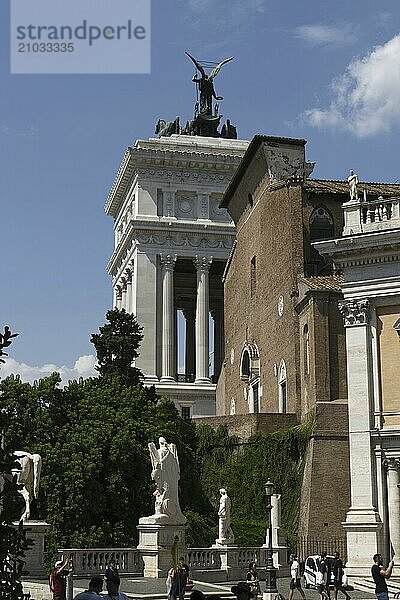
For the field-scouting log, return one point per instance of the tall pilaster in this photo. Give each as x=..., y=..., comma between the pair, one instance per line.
x=118, y=291
x=168, y=321
x=190, y=348
x=218, y=316
x=202, y=264
x=363, y=522
x=124, y=291
x=393, y=480
x=128, y=277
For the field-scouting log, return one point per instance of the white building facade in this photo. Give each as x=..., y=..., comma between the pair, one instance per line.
x=368, y=254
x=171, y=244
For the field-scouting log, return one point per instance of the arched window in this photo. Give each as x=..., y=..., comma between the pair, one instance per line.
x=306, y=349
x=245, y=365
x=321, y=224
x=282, y=383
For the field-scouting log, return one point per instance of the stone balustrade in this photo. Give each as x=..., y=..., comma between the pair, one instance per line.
x=90, y=561
x=205, y=563
x=365, y=216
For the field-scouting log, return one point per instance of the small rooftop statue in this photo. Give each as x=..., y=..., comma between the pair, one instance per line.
x=353, y=182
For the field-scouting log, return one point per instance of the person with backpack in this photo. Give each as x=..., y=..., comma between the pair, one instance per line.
x=57, y=579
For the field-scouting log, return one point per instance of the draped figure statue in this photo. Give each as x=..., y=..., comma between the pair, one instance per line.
x=165, y=473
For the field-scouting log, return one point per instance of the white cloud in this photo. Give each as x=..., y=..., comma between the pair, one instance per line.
x=317, y=35
x=366, y=97
x=83, y=367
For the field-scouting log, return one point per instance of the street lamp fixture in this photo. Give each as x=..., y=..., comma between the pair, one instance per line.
x=270, y=575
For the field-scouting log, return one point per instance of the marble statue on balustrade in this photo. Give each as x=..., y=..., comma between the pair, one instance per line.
x=165, y=473
x=225, y=533
x=27, y=469
x=352, y=180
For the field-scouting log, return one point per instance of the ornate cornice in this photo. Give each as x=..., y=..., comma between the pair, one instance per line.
x=178, y=165
x=355, y=312
x=186, y=237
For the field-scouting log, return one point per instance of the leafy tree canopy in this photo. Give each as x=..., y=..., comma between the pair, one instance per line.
x=117, y=346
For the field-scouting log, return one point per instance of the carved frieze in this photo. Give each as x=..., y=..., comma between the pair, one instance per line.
x=184, y=176
x=189, y=241
x=355, y=312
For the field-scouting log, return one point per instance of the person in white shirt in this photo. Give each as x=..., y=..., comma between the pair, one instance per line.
x=295, y=581
x=113, y=592
x=92, y=593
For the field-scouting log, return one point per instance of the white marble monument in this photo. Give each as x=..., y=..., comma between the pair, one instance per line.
x=225, y=533
x=27, y=470
x=172, y=241
x=158, y=532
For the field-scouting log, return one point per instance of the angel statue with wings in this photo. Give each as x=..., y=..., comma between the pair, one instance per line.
x=166, y=473
x=206, y=85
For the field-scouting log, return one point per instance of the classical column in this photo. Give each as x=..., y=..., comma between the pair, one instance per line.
x=168, y=321
x=128, y=275
x=363, y=523
x=118, y=295
x=393, y=480
x=124, y=289
x=218, y=316
x=190, y=348
x=202, y=264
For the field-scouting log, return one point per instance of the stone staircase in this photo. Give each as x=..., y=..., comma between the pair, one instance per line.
x=368, y=585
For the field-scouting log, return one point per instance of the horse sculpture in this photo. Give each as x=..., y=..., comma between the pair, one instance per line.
x=27, y=471
x=167, y=128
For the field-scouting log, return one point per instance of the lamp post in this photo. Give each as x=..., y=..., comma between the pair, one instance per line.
x=270, y=575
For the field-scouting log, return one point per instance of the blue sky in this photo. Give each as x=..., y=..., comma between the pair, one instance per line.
x=326, y=71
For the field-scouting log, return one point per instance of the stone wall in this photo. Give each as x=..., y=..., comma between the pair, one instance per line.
x=244, y=426
x=326, y=490
x=272, y=233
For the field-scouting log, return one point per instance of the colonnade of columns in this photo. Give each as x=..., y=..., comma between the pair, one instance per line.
x=197, y=324
x=196, y=314
x=123, y=293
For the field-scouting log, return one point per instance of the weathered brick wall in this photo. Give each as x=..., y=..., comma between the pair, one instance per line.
x=273, y=234
x=244, y=426
x=326, y=484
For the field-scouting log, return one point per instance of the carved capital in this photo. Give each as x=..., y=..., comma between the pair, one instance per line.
x=118, y=291
x=391, y=463
x=168, y=261
x=202, y=263
x=128, y=276
x=355, y=312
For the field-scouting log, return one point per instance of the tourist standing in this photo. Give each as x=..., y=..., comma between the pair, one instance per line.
x=328, y=573
x=380, y=575
x=252, y=578
x=93, y=591
x=337, y=569
x=57, y=580
x=179, y=580
x=295, y=580
x=111, y=570
x=321, y=578
x=113, y=593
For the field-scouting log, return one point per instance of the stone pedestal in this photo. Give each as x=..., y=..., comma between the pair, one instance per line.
x=362, y=526
x=155, y=545
x=35, y=530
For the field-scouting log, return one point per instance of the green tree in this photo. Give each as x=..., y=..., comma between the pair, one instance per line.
x=117, y=346
x=13, y=542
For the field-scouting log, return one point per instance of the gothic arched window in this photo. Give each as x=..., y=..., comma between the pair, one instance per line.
x=282, y=383
x=321, y=224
